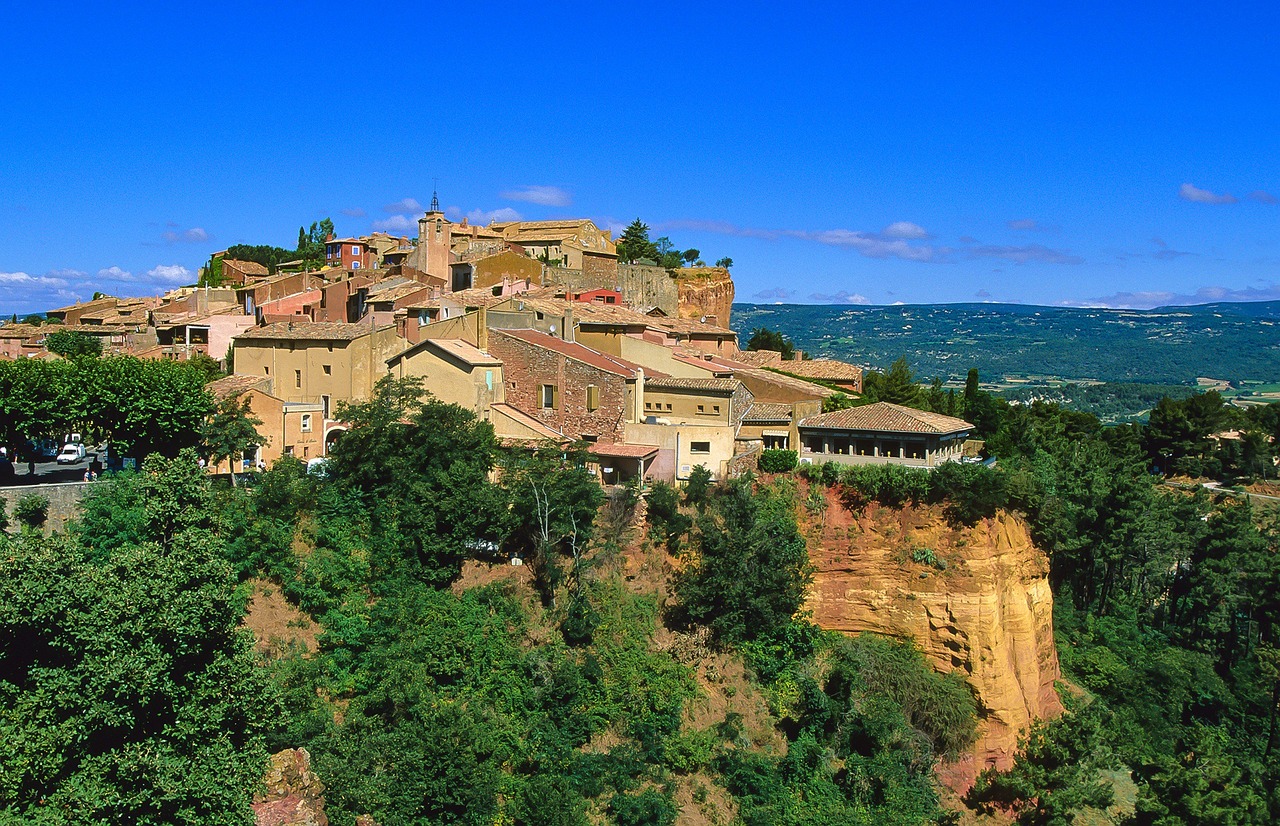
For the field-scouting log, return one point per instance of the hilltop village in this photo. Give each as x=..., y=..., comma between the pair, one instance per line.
x=540, y=328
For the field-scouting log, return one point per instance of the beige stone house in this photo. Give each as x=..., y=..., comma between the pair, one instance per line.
x=883, y=433
x=323, y=363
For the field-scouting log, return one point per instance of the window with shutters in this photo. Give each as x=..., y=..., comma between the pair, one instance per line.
x=549, y=396
x=593, y=398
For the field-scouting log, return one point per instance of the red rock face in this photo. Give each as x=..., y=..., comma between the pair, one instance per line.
x=705, y=291
x=988, y=614
x=294, y=796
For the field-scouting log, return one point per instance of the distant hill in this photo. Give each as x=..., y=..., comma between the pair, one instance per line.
x=1172, y=345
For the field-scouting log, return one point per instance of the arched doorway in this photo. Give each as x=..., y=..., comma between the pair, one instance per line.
x=331, y=437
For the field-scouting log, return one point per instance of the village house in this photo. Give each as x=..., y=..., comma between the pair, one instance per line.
x=288, y=428
x=21, y=340
x=182, y=335
x=454, y=372
x=321, y=363
x=574, y=244
x=572, y=389
x=349, y=253
x=73, y=313
x=692, y=422
x=775, y=425
x=238, y=273
x=846, y=377
x=883, y=433
x=492, y=268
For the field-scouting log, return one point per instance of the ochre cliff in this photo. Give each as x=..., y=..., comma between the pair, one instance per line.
x=989, y=612
x=705, y=291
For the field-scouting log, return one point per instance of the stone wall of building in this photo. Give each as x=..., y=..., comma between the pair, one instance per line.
x=641, y=287
x=64, y=501
x=526, y=368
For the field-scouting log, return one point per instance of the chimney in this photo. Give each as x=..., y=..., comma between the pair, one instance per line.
x=482, y=328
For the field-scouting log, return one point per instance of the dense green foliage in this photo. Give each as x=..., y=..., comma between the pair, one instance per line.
x=72, y=344
x=634, y=246
x=762, y=338
x=776, y=460
x=419, y=471
x=230, y=431
x=139, y=406
x=127, y=694
x=1057, y=773
x=1227, y=341
x=751, y=566
x=1111, y=402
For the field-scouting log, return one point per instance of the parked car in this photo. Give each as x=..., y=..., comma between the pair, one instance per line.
x=71, y=454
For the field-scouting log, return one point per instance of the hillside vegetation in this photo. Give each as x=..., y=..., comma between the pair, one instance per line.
x=648, y=662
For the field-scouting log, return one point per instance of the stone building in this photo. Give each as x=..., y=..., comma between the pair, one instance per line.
x=883, y=433
x=577, y=391
x=288, y=428
x=323, y=363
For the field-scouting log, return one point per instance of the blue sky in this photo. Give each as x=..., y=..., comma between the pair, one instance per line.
x=1042, y=153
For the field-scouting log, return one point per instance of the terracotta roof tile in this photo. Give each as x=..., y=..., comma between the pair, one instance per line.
x=309, y=331
x=768, y=412
x=573, y=350
x=234, y=385
x=623, y=451
x=886, y=417
x=672, y=383
x=821, y=369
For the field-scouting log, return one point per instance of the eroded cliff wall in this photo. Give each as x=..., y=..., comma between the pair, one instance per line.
x=989, y=613
x=705, y=291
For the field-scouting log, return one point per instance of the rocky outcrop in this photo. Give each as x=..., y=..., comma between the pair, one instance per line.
x=705, y=291
x=984, y=607
x=294, y=795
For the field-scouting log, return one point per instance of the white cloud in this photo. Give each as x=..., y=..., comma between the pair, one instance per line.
x=403, y=205
x=479, y=216
x=170, y=273
x=544, y=195
x=36, y=292
x=397, y=223
x=840, y=297
x=1145, y=300
x=904, y=229
x=195, y=235
x=1024, y=224
x=869, y=244
x=354, y=212
x=774, y=294
x=1025, y=254
x=1187, y=192
x=114, y=273
x=892, y=242
x=1263, y=197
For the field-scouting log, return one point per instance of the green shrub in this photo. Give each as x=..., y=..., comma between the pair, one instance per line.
x=778, y=461
x=697, y=486
x=649, y=808
x=972, y=492
x=32, y=511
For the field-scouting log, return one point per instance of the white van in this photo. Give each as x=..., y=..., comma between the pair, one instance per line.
x=72, y=453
